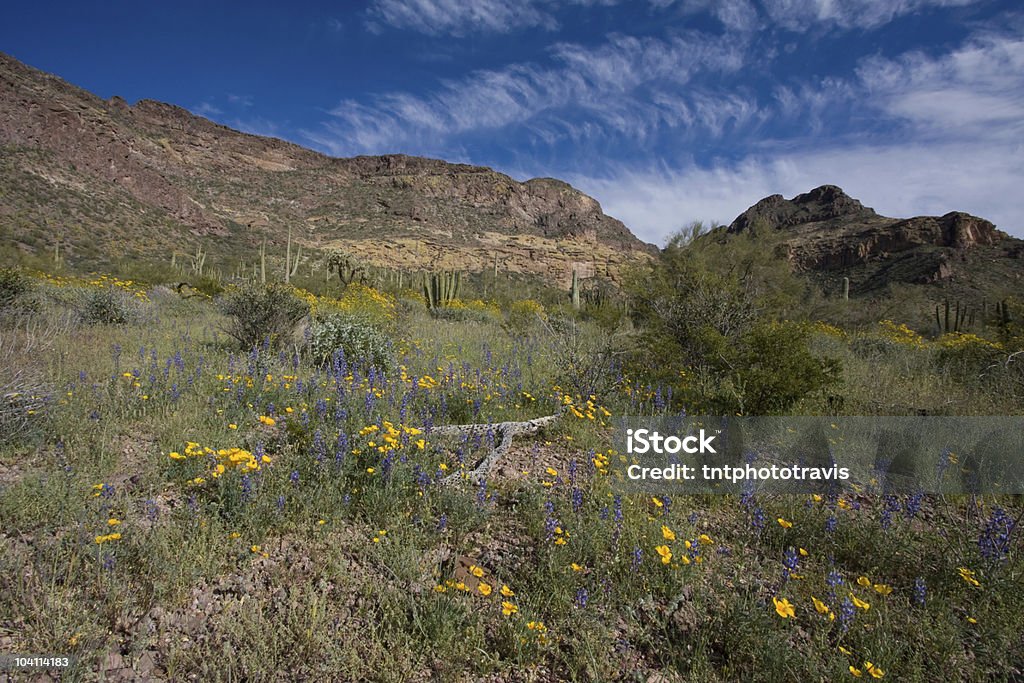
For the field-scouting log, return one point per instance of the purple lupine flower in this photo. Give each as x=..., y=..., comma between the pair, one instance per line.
x=846, y=612
x=994, y=541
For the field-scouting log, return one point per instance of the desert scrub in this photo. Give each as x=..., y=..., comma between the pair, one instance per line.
x=17, y=295
x=108, y=306
x=524, y=316
x=357, y=338
x=258, y=313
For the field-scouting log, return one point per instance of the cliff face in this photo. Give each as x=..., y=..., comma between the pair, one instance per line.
x=104, y=177
x=830, y=234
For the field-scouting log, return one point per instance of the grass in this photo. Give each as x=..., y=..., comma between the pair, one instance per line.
x=342, y=557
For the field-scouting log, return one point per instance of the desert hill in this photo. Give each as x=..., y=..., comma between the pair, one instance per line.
x=105, y=178
x=829, y=235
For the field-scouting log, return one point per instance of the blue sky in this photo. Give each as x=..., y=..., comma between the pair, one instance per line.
x=666, y=111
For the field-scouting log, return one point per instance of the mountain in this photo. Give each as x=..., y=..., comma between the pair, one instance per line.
x=829, y=235
x=106, y=179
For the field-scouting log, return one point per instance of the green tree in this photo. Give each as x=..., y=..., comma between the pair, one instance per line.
x=709, y=309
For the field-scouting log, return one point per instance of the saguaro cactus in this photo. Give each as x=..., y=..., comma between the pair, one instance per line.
x=846, y=289
x=439, y=289
x=291, y=268
x=263, y=262
x=198, y=261
x=575, y=290
x=958, y=323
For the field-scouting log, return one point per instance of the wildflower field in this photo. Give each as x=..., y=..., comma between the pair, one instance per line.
x=174, y=506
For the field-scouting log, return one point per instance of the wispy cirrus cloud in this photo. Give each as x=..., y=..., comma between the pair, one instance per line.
x=626, y=86
x=461, y=17
x=974, y=90
x=801, y=15
x=457, y=17
x=206, y=109
x=237, y=100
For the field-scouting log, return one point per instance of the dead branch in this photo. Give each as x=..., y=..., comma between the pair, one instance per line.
x=504, y=431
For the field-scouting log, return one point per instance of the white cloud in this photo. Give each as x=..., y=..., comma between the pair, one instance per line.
x=801, y=15
x=459, y=17
x=735, y=15
x=206, y=109
x=239, y=100
x=601, y=85
x=975, y=90
x=898, y=180
x=464, y=17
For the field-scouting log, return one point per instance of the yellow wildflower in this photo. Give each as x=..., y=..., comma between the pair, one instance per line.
x=784, y=608
x=821, y=607
x=968, y=576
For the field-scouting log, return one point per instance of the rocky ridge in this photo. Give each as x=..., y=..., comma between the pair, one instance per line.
x=105, y=177
x=828, y=233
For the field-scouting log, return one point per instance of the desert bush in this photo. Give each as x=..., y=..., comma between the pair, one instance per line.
x=16, y=290
x=107, y=306
x=258, y=313
x=709, y=312
x=966, y=357
x=523, y=316
x=360, y=340
x=208, y=285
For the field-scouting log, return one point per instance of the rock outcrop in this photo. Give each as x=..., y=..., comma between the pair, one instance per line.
x=827, y=231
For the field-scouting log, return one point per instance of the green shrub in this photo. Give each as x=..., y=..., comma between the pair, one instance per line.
x=107, y=306
x=16, y=290
x=360, y=340
x=259, y=313
x=774, y=369
x=210, y=286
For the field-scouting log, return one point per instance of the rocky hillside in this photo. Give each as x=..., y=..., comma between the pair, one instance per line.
x=103, y=178
x=830, y=235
